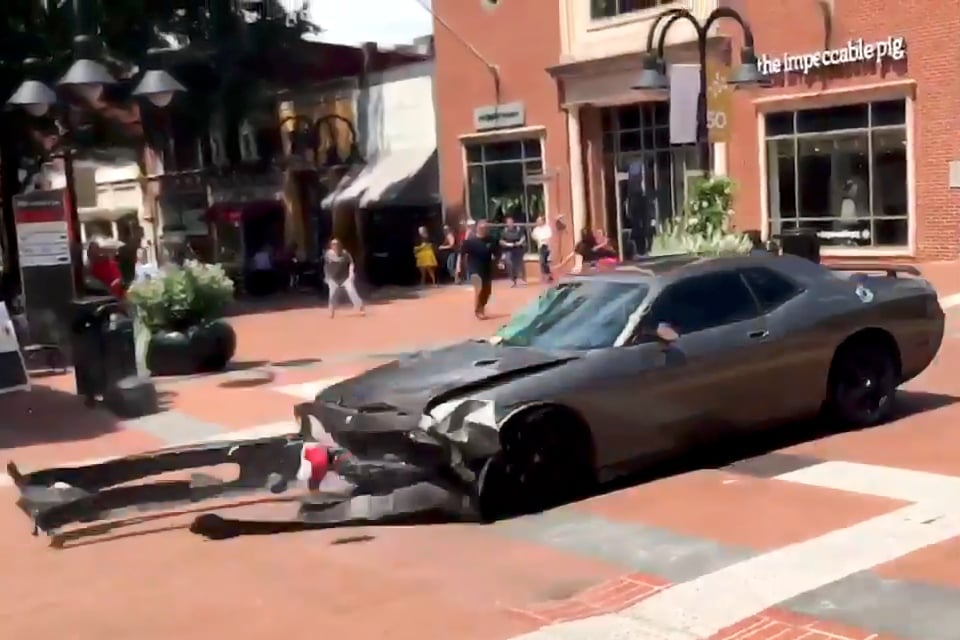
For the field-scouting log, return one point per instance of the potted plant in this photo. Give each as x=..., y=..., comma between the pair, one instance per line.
x=705, y=227
x=183, y=311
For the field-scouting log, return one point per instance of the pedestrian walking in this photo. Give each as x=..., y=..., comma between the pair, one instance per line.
x=448, y=252
x=339, y=273
x=542, y=234
x=513, y=241
x=426, y=258
x=479, y=252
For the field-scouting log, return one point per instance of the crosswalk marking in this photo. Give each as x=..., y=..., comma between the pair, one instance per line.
x=700, y=608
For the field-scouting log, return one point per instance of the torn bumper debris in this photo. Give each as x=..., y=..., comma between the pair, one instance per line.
x=382, y=490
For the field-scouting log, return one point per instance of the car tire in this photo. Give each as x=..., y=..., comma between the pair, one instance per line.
x=863, y=384
x=543, y=465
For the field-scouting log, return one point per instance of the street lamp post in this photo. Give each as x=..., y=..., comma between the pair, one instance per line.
x=86, y=77
x=653, y=76
x=305, y=135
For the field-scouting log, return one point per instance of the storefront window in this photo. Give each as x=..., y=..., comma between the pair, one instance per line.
x=841, y=171
x=639, y=135
x=610, y=8
x=502, y=182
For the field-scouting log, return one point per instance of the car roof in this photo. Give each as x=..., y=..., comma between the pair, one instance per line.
x=669, y=268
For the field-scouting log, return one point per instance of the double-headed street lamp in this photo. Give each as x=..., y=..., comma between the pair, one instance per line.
x=653, y=77
x=87, y=78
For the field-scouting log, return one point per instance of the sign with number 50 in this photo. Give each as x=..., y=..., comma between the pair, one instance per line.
x=719, y=101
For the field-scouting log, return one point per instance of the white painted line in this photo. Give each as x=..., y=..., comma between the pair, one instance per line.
x=308, y=390
x=888, y=482
x=946, y=302
x=702, y=607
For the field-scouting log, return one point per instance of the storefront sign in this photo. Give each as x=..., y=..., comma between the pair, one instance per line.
x=719, y=101
x=499, y=116
x=855, y=52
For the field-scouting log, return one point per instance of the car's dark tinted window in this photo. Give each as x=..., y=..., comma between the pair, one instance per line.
x=704, y=302
x=771, y=289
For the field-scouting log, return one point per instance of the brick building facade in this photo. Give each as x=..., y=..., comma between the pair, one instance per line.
x=512, y=161
x=858, y=150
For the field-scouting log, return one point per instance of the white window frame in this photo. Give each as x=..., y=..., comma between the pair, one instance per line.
x=847, y=96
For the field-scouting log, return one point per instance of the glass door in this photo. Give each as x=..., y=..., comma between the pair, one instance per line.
x=622, y=219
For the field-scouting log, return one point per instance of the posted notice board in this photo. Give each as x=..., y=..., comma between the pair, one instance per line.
x=46, y=263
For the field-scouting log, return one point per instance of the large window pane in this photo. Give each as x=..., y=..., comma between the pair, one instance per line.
x=779, y=124
x=475, y=193
x=628, y=117
x=892, y=112
x=500, y=151
x=474, y=153
x=852, y=116
x=532, y=148
x=504, y=190
x=781, y=183
x=833, y=180
x=890, y=173
x=610, y=8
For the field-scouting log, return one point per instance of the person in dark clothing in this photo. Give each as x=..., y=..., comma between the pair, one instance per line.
x=585, y=248
x=513, y=243
x=479, y=251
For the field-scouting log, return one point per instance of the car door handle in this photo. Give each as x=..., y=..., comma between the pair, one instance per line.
x=760, y=334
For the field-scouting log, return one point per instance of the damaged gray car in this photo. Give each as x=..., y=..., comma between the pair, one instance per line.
x=601, y=374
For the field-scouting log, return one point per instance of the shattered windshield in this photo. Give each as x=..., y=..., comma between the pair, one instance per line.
x=575, y=316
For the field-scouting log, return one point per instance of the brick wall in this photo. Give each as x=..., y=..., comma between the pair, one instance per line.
x=932, y=33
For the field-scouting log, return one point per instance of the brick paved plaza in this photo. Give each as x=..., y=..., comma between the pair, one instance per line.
x=854, y=536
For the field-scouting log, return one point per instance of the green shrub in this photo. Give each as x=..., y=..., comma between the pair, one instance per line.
x=704, y=228
x=182, y=296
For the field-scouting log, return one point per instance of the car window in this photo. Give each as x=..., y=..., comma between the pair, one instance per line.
x=771, y=288
x=704, y=302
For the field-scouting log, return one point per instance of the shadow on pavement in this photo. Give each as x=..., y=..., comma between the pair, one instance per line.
x=290, y=301
x=717, y=455
x=46, y=415
x=739, y=451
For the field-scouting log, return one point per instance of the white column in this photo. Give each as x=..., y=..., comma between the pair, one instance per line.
x=719, y=158
x=578, y=199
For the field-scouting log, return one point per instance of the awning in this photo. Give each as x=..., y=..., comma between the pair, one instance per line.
x=408, y=177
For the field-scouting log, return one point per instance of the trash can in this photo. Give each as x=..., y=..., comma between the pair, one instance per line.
x=102, y=345
x=801, y=242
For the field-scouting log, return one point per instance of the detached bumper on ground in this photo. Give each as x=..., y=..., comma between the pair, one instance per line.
x=412, y=484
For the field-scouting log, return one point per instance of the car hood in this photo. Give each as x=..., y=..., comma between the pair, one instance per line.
x=413, y=384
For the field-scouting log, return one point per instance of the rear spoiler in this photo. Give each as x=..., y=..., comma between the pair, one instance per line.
x=891, y=270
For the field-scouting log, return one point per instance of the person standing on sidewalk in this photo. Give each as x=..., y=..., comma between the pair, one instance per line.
x=541, y=235
x=339, y=273
x=512, y=240
x=479, y=252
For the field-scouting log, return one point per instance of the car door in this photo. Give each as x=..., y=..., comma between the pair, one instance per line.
x=692, y=390
x=794, y=354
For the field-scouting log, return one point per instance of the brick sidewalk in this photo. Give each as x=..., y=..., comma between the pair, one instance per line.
x=615, y=553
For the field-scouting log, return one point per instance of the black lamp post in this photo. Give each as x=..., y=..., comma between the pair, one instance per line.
x=653, y=76
x=305, y=136
x=87, y=77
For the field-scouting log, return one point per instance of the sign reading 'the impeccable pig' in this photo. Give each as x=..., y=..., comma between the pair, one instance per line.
x=855, y=52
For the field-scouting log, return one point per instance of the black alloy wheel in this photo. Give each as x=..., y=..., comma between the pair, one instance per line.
x=541, y=466
x=863, y=384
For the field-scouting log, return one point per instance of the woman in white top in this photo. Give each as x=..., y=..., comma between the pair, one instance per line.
x=542, y=234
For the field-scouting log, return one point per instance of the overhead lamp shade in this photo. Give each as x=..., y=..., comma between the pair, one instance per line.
x=652, y=77
x=34, y=97
x=88, y=77
x=159, y=87
x=748, y=73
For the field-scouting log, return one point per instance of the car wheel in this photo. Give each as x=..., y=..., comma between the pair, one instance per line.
x=863, y=384
x=544, y=463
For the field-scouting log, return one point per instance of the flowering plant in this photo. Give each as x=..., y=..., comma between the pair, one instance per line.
x=705, y=227
x=182, y=296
